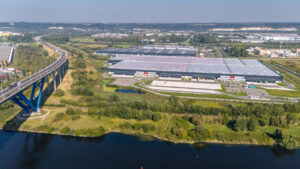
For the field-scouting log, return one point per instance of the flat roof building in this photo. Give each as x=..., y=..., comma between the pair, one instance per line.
x=194, y=67
x=6, y=53
x=152, y=50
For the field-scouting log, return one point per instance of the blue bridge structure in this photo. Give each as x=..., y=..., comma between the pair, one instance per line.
x=37, y=83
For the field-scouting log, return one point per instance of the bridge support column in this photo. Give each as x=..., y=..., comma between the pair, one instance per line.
x=59, y=74
x=34, y=102
x=54, y=81
x=48, y=83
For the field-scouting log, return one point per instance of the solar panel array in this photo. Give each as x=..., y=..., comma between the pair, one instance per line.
x=162, y=51
x=5, y=52
x=192, y=65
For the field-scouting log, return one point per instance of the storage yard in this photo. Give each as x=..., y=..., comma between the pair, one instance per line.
x=193, y=68
x=152, y=50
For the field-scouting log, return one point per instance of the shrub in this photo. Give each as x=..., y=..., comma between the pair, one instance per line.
x=148, y=127
x=70, y=111
x=137, y=126
x=92, y=111
x=50, y=129
x=156, y=117
x=95, y=132
x=78, y=132
x=59, y=117
x=59, y=93
x=65, y=130
x=75, y=117
x=181, y=133
x=113, y=98
x=225, y=119
x=91, y=132
x=195, y=120
x=200, y=133
x=125, y=125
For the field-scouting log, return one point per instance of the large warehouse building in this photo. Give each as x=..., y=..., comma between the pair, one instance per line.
x=6, y=53
x=193, y=67
x=152, y=50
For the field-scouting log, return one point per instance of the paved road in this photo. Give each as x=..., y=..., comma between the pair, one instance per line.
x=222, y=52
x=15, y=88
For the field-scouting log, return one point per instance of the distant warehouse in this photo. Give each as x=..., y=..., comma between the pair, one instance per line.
x=6, y=53
x=152, y=50
x=193, y=67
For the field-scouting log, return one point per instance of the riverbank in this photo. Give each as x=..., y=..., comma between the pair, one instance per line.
x=171, y=127
x=112, y=125
x=145, y=136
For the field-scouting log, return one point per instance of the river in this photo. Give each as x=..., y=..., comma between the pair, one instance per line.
x=118, y=151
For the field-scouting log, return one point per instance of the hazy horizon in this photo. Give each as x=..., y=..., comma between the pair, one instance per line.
x=154, y=11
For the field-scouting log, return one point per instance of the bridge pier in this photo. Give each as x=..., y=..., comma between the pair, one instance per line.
x=33, y=103
x=48, y=83
x=54, y=81
x=59, y=74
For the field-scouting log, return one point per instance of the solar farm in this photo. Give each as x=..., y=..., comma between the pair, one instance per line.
x=194, y=67
x=152, y=50
x=6, y=53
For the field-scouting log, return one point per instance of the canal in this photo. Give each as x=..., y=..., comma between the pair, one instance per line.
x=118, y=151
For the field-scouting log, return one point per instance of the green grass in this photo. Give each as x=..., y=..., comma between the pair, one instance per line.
x=283, y=93
x=148, y=82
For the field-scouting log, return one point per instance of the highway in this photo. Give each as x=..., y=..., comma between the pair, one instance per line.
x=14, y=89
x=280, y=67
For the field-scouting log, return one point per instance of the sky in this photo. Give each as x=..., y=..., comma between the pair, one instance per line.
x=149, y=11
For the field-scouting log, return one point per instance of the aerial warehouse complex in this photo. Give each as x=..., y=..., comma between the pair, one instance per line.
x=194, y=68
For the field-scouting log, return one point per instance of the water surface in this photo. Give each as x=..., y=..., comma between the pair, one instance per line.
x=118, y=151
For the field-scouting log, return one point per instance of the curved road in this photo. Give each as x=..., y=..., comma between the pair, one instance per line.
x=10, y=92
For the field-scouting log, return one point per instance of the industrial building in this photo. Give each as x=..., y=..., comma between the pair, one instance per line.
x=152, y=50
x=6, y=53
x=193, y=67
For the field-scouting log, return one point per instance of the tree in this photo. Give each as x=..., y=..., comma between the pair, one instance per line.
x=156, y=117
x=113, y=98
x=200, y=133
x=203, y=38
x=252, y=124
x=70, y=111
x=179, y=132
x=237, y=51
x=239, y=124
x=291, y=118
x=225, y=119
x=173, y=101
x=284, y=140
x=148, y=127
